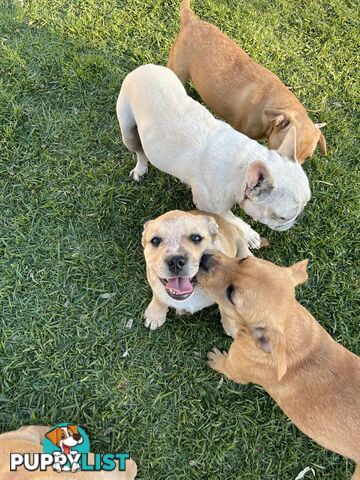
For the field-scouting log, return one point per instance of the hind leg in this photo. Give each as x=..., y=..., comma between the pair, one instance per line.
x=131, y=138
x=132, y=141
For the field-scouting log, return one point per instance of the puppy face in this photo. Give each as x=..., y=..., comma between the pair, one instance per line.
x=173, y=246
x=65, y=437
x=277, y=188
x=259, y=293
x=308, y=134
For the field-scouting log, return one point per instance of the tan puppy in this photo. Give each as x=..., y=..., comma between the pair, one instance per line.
x=281, y=347
x=29, y=440
x=248, y=96
x=174, y=244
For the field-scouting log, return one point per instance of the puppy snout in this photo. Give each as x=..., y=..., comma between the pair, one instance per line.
x=176, y=264
x=77, y=436
x=206, y=262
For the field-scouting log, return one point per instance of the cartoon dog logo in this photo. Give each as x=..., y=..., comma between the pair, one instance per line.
x=65, y=438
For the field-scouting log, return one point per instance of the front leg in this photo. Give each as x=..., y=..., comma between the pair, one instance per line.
x=155, y=314
x=251, y=237
x=228, y=324
x=230, y=364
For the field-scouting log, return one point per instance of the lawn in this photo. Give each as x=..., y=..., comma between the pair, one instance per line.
x=72, y=272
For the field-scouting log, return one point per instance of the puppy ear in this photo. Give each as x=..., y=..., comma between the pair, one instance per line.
x=288, y=147
x=322, y=143
x=212, y=226
x=298, y=272
x=73, y=428
x=279, y=118
x=258, y=180
x=143, y=236
x=52, y=436
x=272, y=342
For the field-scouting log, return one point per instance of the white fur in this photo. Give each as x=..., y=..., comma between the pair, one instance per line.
x=164, y=126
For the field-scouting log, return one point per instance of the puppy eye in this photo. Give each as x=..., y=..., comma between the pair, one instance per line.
x=229, y=292
x=155, y=241
x=282, y=218
x=196, y=238
x=285, y=123
x=63, y=435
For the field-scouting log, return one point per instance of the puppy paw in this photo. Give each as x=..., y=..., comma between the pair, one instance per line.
x=75, y=467
x=216, y=360
x=253, y=238
x=182, y=311
x=135, y=175
x=153, y=319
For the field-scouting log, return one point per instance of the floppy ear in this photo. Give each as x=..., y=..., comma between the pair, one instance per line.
x=212, y=226
x=272, y=342
x=288, y=147
x=73, y=428
x=143, y=237
x=258, y=180
x=53, y=435
x=280, y=118
x=298, y=272
x=322, y=143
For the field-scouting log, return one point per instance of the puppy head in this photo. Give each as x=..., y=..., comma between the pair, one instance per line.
x=277, y=189
x=258, y=293
x=308, y=134
x=173, y=246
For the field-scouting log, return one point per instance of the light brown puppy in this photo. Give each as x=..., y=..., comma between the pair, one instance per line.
x=29, y=440
x=281, y=347
x=247, y=95
x=174, y=244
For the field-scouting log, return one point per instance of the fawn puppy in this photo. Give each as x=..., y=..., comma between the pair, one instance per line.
x=280, y=346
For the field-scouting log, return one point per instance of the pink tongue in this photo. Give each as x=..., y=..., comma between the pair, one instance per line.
x=67, y=449
x=179, y=285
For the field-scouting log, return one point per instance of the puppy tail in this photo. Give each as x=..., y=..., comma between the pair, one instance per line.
x=186, y=14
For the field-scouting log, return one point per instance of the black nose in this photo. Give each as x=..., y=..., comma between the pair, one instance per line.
x=77, y=436
x=176, y=264
x=206, y=261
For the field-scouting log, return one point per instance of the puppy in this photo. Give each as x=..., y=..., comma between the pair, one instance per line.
x=281, y=347
x=29, y=440
x=248, y=96
x=174, y=244
x=164, y=126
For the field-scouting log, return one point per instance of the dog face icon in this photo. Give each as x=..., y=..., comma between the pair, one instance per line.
x=65, y=438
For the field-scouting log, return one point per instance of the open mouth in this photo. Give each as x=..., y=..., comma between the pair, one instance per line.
x=179, y=288
x=67, y=449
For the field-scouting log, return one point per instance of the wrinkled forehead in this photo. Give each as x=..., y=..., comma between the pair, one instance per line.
x=179, y=227
x=286, y=203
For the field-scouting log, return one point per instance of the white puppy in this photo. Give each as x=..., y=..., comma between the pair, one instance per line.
x=164, y=126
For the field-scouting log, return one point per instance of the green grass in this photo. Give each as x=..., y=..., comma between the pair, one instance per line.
x=71, y=223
